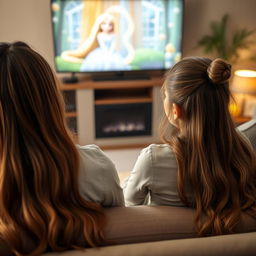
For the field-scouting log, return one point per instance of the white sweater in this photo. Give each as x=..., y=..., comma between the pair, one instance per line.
x=98, y=179
x=153, y=178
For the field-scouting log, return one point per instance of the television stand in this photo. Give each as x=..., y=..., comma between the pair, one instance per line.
x=86, y=100
x=70, y=79
x=120, y=76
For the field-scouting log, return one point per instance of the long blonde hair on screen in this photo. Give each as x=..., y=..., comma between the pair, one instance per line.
x=91, y=42
x=40, y=204
x=218, y=163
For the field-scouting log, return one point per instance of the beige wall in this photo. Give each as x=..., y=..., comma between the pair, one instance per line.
x=29, y=20
x=199, y=13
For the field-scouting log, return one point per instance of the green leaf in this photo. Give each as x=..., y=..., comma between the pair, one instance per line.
x=216, y=42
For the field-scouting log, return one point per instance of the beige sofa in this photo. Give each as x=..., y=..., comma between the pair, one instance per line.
x=165, y=230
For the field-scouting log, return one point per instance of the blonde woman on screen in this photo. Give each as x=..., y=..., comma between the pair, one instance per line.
x=52, y=192
x=101, y=51
x=205, y=164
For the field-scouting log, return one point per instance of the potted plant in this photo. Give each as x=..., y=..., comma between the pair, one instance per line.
x=217, y=42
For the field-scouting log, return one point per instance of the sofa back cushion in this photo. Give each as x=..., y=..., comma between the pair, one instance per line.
x=249, y=130
x=137, y=224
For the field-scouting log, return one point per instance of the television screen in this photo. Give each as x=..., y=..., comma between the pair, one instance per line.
x=116, y=35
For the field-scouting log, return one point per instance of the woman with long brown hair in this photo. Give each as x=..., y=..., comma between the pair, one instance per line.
x=51, y=191
x=205, y=164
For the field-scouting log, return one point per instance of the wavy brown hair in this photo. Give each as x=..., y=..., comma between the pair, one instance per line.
x=40, y=201
x=218, y=162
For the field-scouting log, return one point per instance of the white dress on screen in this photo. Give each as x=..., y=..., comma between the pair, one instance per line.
x=105, y=57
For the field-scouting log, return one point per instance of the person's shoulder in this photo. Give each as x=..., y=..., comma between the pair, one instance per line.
x=87, y=147
x=91, y=148
x=160, y=149
x=158, y=152
x=94, y=153
x=94, y=160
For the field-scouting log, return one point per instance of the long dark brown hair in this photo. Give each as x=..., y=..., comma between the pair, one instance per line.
x=219, y=163
x=39, y=164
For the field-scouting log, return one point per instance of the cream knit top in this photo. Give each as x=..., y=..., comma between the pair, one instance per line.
x=153, y=178
x=98, y=181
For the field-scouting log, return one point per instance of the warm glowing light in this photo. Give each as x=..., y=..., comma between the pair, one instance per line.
x=244, y=82
x=234, y=109
x=245, y=73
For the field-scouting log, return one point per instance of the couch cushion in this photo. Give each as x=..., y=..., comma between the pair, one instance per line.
x=249, y=130
x=137, y=224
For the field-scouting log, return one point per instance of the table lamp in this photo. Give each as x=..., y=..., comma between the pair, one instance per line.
x=244, y=85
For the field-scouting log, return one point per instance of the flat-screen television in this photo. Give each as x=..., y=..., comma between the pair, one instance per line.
x=116, y=35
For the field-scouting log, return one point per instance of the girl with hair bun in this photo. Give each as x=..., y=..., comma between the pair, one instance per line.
x=52, y=192
x=205, y=164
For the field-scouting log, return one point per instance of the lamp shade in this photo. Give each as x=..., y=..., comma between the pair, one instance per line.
x=244, y=81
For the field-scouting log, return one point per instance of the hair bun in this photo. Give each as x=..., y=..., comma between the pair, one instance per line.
x=219, y=71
